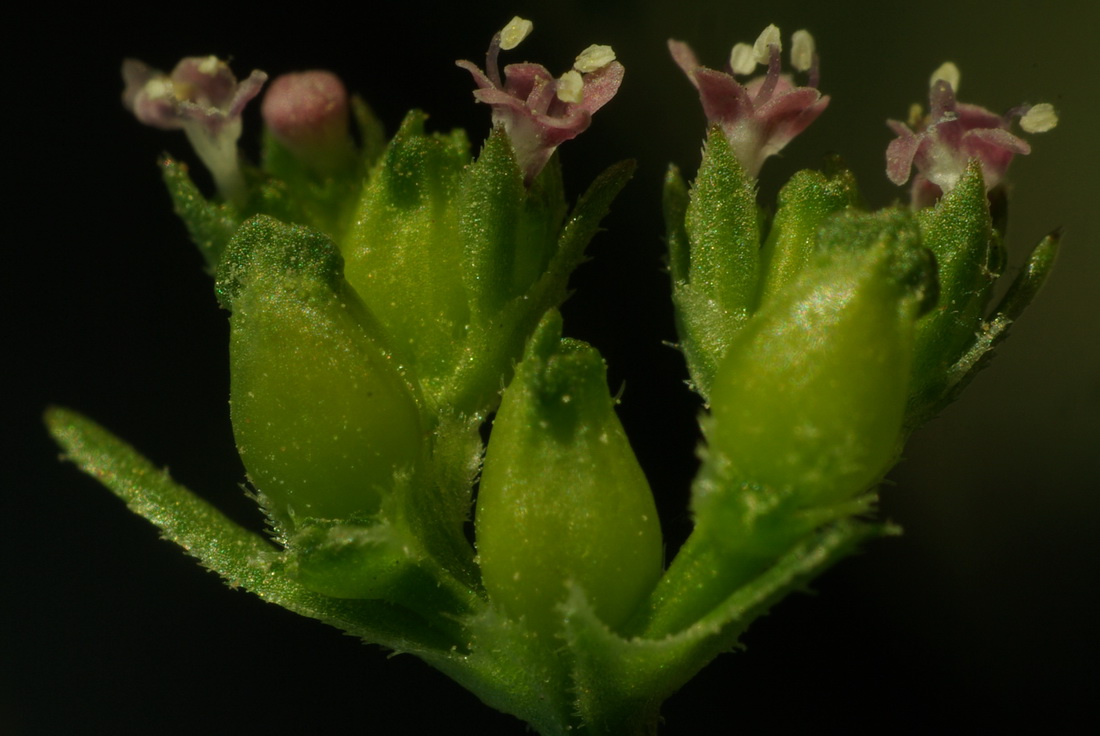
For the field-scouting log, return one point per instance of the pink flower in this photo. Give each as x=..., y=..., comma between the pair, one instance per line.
x=763, y=115
x=537, y=111
x=203, y=98
x=952, y=134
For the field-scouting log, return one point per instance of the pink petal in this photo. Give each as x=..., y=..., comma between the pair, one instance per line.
x=786, y=117
x=976, y=116
x=530, y=82
x=200, y=86
x=480, y=79
x=724, y=100
x=601, y=85
x=899, y=157
x=1000, y=138
x=685, y=58
x=898, y=127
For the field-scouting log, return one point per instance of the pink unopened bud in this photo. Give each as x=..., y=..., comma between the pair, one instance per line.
x=307, y=112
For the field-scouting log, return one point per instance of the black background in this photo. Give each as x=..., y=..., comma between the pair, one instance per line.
x=979, y=618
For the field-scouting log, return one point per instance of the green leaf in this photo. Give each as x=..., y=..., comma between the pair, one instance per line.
x=958, y=231
x=378, y=559
x=675, y=201
x=210, y=225
x=474, y=386
x=240, y=557
x=1024, y=288
x=372, y=134
x=621, y=682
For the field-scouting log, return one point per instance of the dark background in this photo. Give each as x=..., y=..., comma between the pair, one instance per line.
x=980, y=618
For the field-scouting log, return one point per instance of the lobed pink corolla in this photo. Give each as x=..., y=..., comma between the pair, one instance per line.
x=765, y=113
x=203, y=98
x=953, y=133
x=538, y=111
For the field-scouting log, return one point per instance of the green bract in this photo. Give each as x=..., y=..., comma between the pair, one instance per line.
x=386, y=298
x=562, y=497
x=322, y=418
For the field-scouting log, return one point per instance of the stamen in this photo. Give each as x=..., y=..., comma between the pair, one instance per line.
x=802, y=50
x=158, y=87
x=1040, y=118
x=571, y=87
x=762, y=48
x=947, y=72
x=941, y=100
x=916, y=115
x=775, y=64
x=742, y=59
x=514, y=33
x=209, y=65
x=594, y=57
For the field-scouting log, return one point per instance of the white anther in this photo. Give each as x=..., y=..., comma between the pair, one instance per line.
x=802, y=50
x=594, y=57
x=768, y=38
x=916, y=115
x=1040, y=118
x=209, y=66
x=571, y=87
x=513, y=33
x=947, y=72
x=158, y=87
x=742, y=59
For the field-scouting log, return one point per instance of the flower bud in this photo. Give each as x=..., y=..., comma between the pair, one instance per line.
x=562, y=498
x=307, y=113
x=322, y=420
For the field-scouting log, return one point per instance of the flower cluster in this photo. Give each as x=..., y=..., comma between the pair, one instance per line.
x=762, y=115
x=941, y=143
x=387, y=296
x=538, y=111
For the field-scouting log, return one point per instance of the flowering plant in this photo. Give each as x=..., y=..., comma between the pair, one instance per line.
x=381, y=293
